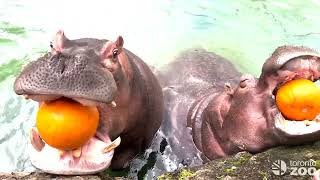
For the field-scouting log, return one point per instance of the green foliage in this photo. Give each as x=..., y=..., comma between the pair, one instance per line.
x=13, y=67
x=12, y=29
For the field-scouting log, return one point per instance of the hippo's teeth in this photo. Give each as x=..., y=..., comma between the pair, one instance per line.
x=36, y=140
x=112, y=145
x=113, y=104
x=76, y=153
x=284, y=122
x=61, y=153
x=26, y=96
x=307, y=122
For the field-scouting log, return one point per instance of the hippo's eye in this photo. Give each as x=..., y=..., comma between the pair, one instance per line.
x=115, y=52
x=51, y=44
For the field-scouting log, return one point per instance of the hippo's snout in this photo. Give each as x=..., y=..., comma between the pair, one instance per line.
x=73, y=76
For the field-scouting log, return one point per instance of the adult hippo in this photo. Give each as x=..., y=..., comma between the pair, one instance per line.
x=97, y=73
x=213, y=111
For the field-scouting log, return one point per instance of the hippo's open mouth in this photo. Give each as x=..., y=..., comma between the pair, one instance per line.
x=303, y=67
x=94, y=156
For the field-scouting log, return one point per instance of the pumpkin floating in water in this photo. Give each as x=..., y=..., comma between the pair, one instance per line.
x=65, y=124
x=299, y=100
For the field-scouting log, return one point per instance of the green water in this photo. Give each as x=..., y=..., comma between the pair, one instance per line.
x=246, y=32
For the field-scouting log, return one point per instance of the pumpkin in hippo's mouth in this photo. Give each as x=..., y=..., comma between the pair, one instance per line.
x=299, y=99
x=66, y=124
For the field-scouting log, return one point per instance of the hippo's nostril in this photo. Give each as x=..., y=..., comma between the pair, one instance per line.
x=243, y=83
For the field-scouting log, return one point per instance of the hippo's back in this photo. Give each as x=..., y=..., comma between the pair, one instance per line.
x=195, y=71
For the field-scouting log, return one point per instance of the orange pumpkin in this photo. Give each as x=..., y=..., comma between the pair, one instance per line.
x=65, y=124
x=299, y=100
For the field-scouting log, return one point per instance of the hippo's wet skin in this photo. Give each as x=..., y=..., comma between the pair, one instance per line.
x=208, y=102
x=100, y=73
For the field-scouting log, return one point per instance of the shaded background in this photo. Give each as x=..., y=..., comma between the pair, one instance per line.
x=245, y=31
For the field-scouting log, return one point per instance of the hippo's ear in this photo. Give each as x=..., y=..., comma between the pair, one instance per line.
x=228, y=89
x=119, y=42
x=112, y=49
x=58, y=41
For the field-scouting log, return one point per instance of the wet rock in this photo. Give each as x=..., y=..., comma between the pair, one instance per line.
x=259, y=166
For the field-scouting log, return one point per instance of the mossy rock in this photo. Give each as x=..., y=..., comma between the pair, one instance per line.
x=247, y=166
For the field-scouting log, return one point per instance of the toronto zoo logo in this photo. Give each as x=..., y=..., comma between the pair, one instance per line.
x=279, y=167
x=294, y=168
